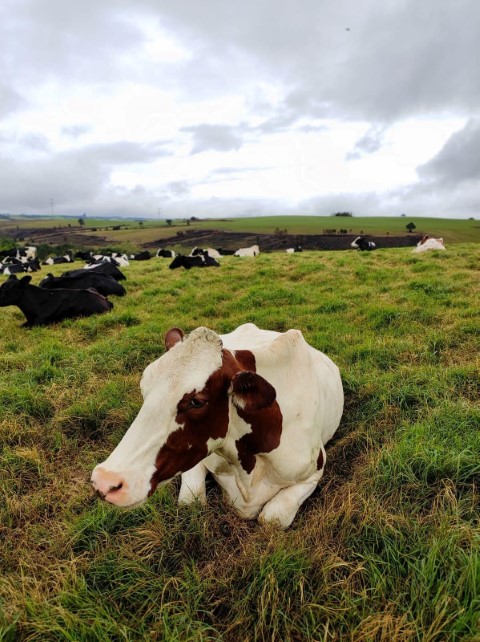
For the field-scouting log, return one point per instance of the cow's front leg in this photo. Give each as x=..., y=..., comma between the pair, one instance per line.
x=193, y=485
x=283, y=507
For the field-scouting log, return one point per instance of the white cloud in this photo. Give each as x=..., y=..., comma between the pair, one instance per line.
x=127, y=107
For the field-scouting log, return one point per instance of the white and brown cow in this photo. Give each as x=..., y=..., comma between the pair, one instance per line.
x=253, y=407
x=254, y=250
x=429, y=243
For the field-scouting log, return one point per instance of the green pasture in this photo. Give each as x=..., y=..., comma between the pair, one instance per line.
x=387, y=548
x=136, y=232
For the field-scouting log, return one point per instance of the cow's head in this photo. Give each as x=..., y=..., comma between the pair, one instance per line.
x=189, y=396
x=11, y=290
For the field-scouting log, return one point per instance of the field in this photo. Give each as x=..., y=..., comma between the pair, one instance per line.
x=386, y=549
x=135, y=233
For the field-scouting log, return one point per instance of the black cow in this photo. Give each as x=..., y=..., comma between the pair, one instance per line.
x=104, y=268
x=361, y=243
x=42, y=307
x=84, y=280
x=141, y=256
x=188, y=262
x=225, y=252
x=84, y=256
x=166, y=254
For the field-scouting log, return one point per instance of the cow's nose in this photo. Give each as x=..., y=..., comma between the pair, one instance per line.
x=107, y=483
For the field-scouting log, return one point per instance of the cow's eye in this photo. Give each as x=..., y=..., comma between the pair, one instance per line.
x=196, y=403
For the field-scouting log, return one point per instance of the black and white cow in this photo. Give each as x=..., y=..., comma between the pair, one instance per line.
x=141, y=256
x=17, y=266
x=83, y=280
x=28, y=253
x=54, y=260
x=291, y=250
x=103, y=268
x=201, y=260
x=42, y=307
x=361, y=243
x=165, y=254
x=223, y=252
x=198, y=251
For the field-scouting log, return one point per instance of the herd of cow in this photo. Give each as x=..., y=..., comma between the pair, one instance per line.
x=254, y=408
x=84, y=292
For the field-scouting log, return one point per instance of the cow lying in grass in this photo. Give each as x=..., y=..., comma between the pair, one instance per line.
x=200, y=260
x=42, y=307
x=83, y=280
x=429, y=243
x=253, y=407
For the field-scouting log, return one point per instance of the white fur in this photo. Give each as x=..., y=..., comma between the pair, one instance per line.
x=254, y=250
x=429, y=244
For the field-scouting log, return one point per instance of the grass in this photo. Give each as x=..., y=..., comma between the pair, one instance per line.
x=387, y=548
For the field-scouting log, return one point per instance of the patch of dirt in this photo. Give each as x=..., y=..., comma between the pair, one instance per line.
x=272, y=242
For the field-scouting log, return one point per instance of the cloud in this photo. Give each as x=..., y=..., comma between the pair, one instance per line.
x=75, y=131
x=73, y=178
x=458, y=160
x=220, y=138
x=369, y=143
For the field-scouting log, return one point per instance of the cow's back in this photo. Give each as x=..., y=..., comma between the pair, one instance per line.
x=307, y=382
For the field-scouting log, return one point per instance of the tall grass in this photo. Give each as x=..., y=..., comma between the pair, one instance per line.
x=387, y=548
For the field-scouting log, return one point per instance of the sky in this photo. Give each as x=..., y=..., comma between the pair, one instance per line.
x=161, y=108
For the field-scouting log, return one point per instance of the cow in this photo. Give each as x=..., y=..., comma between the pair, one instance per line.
x=83, y=280
x=141, y=256
x=42, y=307
x=361, y=243
x=429, y=243
x=253, y=407
x=16, y=266
x=215, y=254
x=104, y=268
x=201, y=260
x=223, y=252
x=29, y=252
x=291, y=250
x=254, y=250
x=84, y=256
x=54, y=260
x=165, y=254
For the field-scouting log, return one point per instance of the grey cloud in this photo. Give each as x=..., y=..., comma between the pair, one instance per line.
x=75, y=131
x=72, y=177
x=221, y=138
x=369, y=143
x=458, y=160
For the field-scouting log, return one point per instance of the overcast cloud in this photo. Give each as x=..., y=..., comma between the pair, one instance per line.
x=240, y=108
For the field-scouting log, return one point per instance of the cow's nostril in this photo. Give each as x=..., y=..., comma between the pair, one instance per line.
x=113, y=489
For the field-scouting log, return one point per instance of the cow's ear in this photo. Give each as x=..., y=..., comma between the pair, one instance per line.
x=26, y=279
x=251, y=392
x=173, y=336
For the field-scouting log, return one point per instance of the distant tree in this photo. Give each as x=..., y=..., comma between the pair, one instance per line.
x=410, y=227
x=402, y=214
x=169, y=221
x=187, y=221
x=471, y=218
x=140, y=223
x=81, y=222
x=342, y=214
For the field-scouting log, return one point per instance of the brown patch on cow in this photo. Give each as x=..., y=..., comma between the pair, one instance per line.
x=320, y=460
x=187, y=446
x=266, y=427
x=246, y=359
